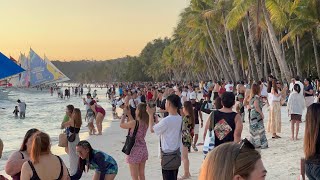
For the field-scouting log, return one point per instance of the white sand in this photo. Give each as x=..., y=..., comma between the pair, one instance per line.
x=281, y=159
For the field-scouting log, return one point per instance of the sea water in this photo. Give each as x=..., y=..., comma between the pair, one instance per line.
x=44, y=112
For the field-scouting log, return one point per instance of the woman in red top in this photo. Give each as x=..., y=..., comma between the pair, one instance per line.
x=222, y=89
x=149, y=95
x=100, y=113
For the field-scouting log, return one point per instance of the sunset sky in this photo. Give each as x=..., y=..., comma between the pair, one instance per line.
x=83, y=29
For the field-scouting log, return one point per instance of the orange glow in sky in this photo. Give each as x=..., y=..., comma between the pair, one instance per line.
x=83, y=29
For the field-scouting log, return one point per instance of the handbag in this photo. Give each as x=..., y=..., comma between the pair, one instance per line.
x=130, y=140
x=209, y=140
x=63, y=140
x=72, y=137
x=171, y=160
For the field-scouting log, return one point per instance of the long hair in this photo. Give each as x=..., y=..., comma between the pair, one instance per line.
x=255, y=90
x=225, y=161
x=28, y=135
x=77, y=117
x=312, y=130
x=189, y=108
x=40, y=145
x=83, y=162
x=274, y=86
x=143, y=115
x=70, y=108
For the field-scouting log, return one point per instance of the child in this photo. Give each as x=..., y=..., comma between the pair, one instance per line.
x=16, y=111
x=90, y=117
x=240, y=107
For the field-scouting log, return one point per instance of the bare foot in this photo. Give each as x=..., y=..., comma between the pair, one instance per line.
x=184, y=177
x=292, y=139
x=297, y=139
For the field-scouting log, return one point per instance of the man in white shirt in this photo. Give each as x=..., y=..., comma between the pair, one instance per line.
x=229, y=87
x=22, y=109
x=169, y=130
x=87, y=101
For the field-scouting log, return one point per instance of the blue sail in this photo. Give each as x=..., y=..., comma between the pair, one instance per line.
x=8, y=68
x=25, y=76
x=39, y=73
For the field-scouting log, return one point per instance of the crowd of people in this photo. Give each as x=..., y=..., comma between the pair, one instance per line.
x=173, y=111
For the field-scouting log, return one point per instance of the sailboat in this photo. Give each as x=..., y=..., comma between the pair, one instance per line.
x=7, y=69
x=38, y=71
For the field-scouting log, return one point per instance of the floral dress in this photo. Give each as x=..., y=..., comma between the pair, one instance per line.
x=186, y=131
x=256, y=127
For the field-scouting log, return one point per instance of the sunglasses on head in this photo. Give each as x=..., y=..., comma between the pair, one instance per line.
x=244, y=143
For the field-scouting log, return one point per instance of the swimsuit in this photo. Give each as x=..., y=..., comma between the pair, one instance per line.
x=100, y=110
x=35, y=175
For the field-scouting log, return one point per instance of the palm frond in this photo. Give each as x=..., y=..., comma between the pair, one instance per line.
x=240, y=9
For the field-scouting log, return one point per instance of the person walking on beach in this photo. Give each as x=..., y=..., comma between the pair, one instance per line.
x=256, y=127
x=197, y=113
x=139, y=153
x=105, y=166
x=274, y=121
x=74, y=125
x=169, y=130
x=43, y=164
x=233, y=161
x=188, y=123
x=22, y=109
x=226, y=123
x=16, y=159
x=216, y=90
x=100, y=114
x=295, y=105
x=312, y=142
x=308, y=92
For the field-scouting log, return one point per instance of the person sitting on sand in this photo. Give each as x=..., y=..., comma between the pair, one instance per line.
x=16, y=159
x=233, y=161
x=43, y=164
x=312, y=142
x=105, y=166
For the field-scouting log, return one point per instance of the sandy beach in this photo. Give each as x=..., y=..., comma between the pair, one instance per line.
x=281, y=159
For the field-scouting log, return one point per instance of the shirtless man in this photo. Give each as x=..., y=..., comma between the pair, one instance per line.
x=216, y=89
x=241, y=89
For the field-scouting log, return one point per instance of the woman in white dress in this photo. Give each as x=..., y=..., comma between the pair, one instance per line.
x=274, y=121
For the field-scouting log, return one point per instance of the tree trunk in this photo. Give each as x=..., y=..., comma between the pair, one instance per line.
x=296, y=56
x=216, y=50
x=226, y=63
x=275, y=44
x=254, y=50
x=241, y=57
x=251, y=64
x=316, y=54
x=232, y=54
x=265, y=61
x=273, y=59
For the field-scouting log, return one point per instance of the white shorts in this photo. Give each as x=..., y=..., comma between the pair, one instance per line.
x=196, y=129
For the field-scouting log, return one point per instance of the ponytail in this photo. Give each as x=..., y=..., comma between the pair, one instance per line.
x=40, y=145
x=36, y=148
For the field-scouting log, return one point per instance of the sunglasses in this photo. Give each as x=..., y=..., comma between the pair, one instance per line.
x=244, y=143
